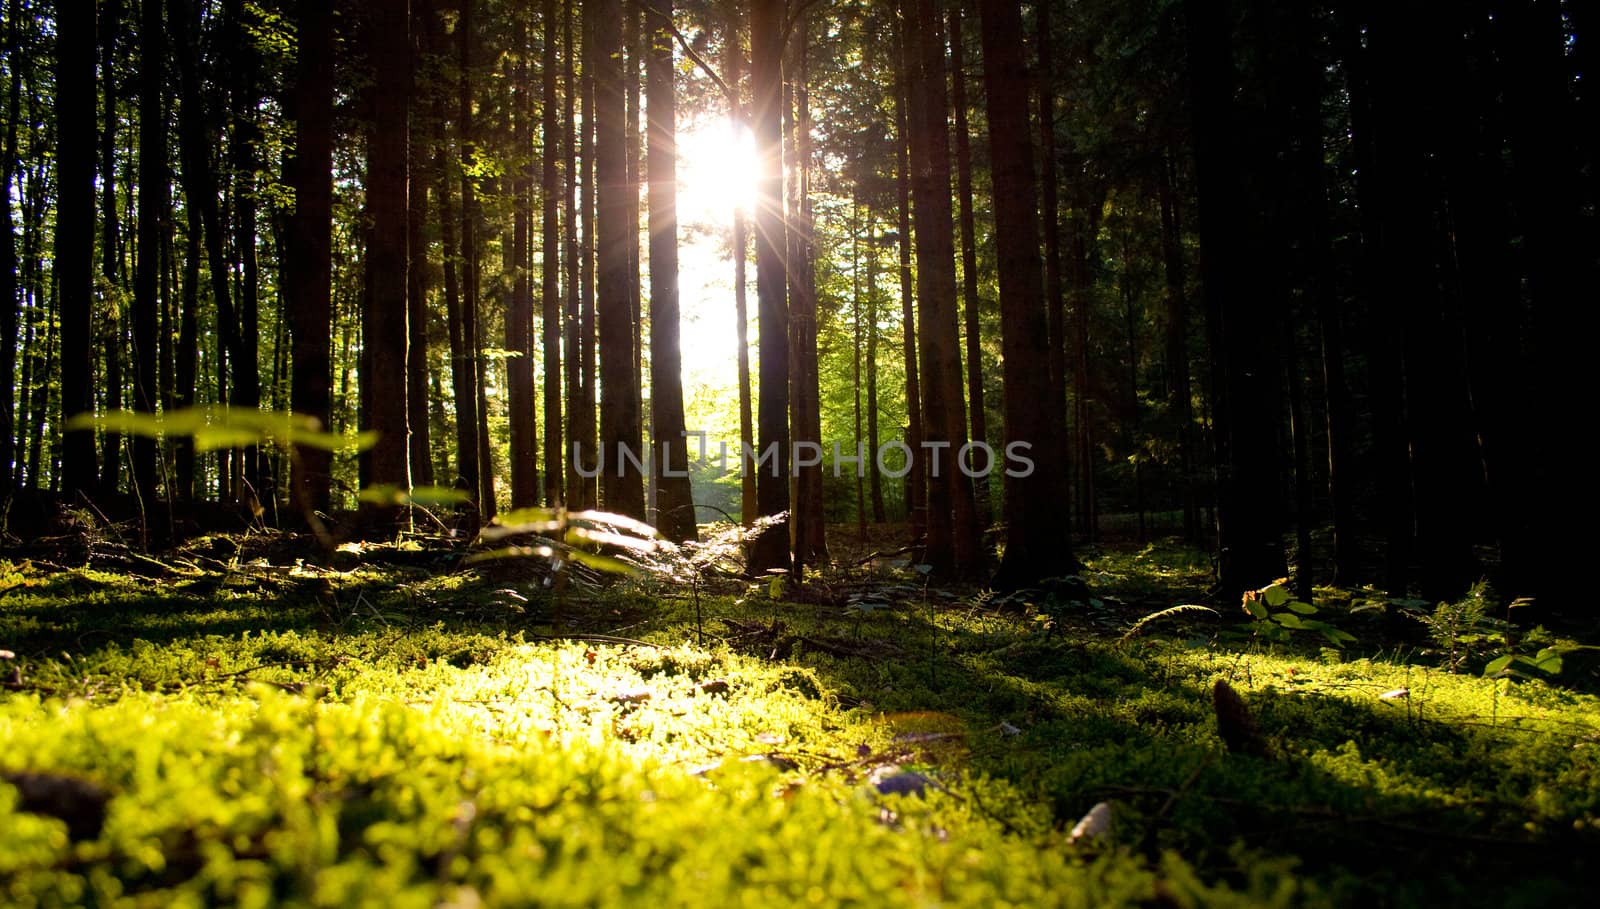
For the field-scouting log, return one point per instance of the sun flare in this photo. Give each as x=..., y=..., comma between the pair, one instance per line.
x=717, y=172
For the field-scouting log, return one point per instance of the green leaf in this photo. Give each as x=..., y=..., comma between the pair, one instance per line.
x=1275, y=596
x=601, y=562
x=1288, y=620
x=1256, y=608
x=1302, y=608
x=1498, y=664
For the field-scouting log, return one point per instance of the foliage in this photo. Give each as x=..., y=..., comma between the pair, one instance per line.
x=1275, y=614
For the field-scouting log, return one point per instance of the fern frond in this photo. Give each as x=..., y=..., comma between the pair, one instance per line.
x=1170, y=611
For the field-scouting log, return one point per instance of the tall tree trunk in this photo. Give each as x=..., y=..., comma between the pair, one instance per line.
x=587, y=437
x=10, y=300
x=421, y=451
x=770, y=549
x=575, y=485
x=1180, y=394
x=621, y=481
x=1239, y=319
x=633, y=57
x=154, y=183
x=916, y=481
x=874, y=478
x=969, y=258
x=733, y=69
x=246, y=136
x=807, y=530
x=855, y=362
x=669, y=450
x=384, y=328
x=519, y=316
x=471, y=296
x=112, y=337
x=1038, y=529
x=74, y=240
x=550, y=271
x=1050, y=214
x=952, y=518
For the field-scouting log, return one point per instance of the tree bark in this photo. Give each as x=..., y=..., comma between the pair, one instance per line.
x=388, y=257
x=1038, y=529
x=519, y=316
x=952, y=518
x=550, y=272
x=969, y=257
x=74, y=239
x=669, y=450
x=770, y=549
x=154, y=184
x=621, y=481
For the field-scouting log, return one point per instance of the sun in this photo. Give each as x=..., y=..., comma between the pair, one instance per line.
x=717, y=172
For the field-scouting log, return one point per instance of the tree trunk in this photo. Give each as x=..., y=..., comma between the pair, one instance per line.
x=384, y=328
x=154, y=184
x=1038, y=529
x=969, y=258
x=1050, y=214
x=669, y=450
x=10, y=301
x=621, y=481
x=1180, y=394
x=874, y=478
x=519, y=316
x=74, y=240
x=244, y=139
x=421, y=450
x=112, y=337
x=808, y=531
x=741, y=251
x=1239, y=317
x=952, y=518
x=916, y=481
x=770, y=550
x=550, y=271
x=575, y=484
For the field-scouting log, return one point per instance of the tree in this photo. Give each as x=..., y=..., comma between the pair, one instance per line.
x=621, y=482
x=952, y=517
x=1038, y=533
x=669, y=448
x=519, y=316
x=154, y=185
x=74, y=240
x=550, y=272
x=308, y=272
x=969, y=253
x=384, y=328
x=770, y=549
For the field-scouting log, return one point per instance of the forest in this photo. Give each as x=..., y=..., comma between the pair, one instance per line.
x=974, y=452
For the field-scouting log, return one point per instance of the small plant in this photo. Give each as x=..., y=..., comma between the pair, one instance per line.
x=1275, y=614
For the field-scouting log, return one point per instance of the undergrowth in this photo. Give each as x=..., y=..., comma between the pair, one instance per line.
x=425, y=734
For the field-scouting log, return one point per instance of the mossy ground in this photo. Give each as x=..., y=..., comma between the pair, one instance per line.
x=405, y=731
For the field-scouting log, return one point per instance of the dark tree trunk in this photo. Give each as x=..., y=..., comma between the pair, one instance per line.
x=586, y=435
x=1239, y=319
x=384, y=327
x=550, y=272
x=621, y=481
x=953, y=545
x=741, y=251
x=245, y=137
x=770, y=550
x=154, y=184
x=874, y=478
x=1038, y=529
x=807, y=531
x=669, y=450
x=1180, y=395
x=1050, y=215
x=421, y=452
x=574, y=261
x=519, y=316
x=10, y=300
x=112, y=336
x=916, y=481
x=74, y=240
x=969, y=258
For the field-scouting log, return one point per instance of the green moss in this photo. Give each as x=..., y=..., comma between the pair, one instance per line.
x=389, y=737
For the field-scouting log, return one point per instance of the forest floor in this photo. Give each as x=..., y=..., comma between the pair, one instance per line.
x=233, y=722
